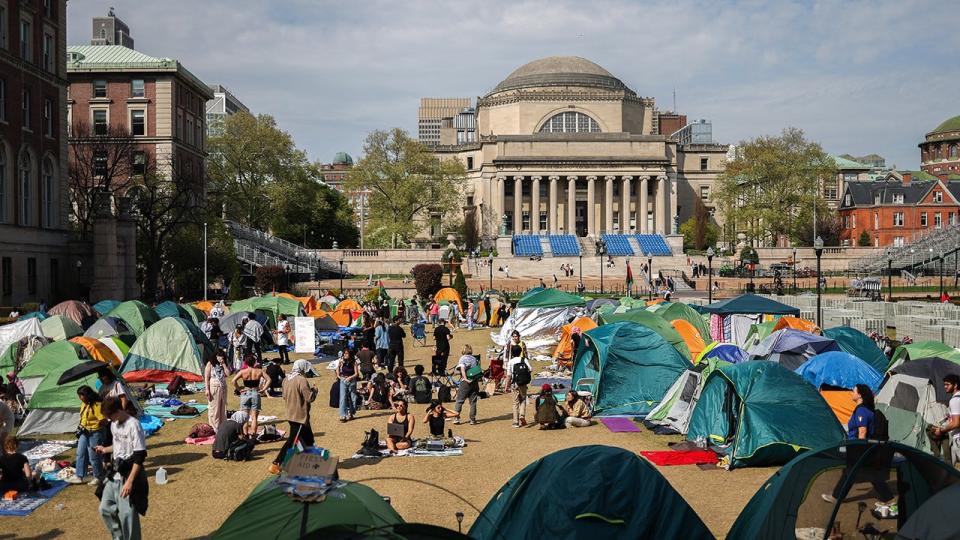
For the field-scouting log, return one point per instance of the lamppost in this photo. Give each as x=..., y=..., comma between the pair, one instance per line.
x=490, y=266
x=205, y=282
x=889, y=275
x=601, y=251
x=581, y=267
x=941, y=275
x=450, y=259
x=341, y=269
x=794, y=270
x=818, y=251
x=710, y=255
x=650, y=276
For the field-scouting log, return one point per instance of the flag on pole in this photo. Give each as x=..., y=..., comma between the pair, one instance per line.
x=629, y=276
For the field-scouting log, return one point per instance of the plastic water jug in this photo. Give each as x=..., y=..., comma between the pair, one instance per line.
x=161, y=476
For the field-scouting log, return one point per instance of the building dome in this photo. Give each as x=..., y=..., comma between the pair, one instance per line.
x=561, y=71
x=948, y=125
x=342, y=158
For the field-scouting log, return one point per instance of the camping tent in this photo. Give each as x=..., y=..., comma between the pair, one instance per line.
x=271, y=306
x=923, y=349
x=673, y=413
x=39, y=315
x=728, y=352
x=913, y=398
x=650, y=320
x=14, y=332
x=169, y=308
x=194, y=314
x=691, y=336
x=761, y=413
x=53, y=408
x=78, y=312
x=628, y=368
x=169, y=348
x=350, y=304
x=840, y=370
x=18, y=353
x=59, y=328
x=97, y=350
x=749, y=304
x=204, y=305
x=789, y=501
x=677, y=310
x=110, y=326
x=268, y=512
x=450, y=295
x=789, y=321
x=565, y=346
x=595, y=491
x=757, y=333
x=137, y=315
x=538, y=316
x=119, y=347
x=928, y=523
x=597, y=303
x=105, y=306
x=325, y=324
x=791, y=348
x=858, y=344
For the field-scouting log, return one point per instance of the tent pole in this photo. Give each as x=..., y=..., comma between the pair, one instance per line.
x=303, y=520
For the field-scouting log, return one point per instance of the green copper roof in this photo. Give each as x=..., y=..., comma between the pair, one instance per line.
x=951, y=124
x=848, y=164
x=117, y=58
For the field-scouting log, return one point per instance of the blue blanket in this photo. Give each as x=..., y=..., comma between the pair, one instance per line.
x=24, y=505
x=150, y=424
x=164, y=412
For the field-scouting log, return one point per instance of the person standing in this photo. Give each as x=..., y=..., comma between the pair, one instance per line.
x=254, y=333
x=470, y=308
x=365, y=360
x=382, y=339
x=347, y=373
x=395, y=335
x=238, y=345
x=469, y=389
x=441, y=338
x=251, y=381
x=486, y=310
x=88, y=436
x=283, y=338
x=951, y=427
x=125, y=490
x=518, y=376
x=215, y=375
x=297, y=396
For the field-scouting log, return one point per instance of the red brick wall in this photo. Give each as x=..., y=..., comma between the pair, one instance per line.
x=887, y=232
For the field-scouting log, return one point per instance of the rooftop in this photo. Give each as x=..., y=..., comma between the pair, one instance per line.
x=950, y=124
x=117, y=58
x=561, y=71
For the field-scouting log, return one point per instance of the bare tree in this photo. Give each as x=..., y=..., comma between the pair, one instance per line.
x=106, y=159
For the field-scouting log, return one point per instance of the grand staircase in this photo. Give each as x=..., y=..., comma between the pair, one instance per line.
x=257, y=248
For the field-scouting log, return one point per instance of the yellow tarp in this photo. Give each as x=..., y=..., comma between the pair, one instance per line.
x=789, y=321
x=690, y=336
x=97, y=350
x=841, y=404
x=450, y=295
x=564, y=349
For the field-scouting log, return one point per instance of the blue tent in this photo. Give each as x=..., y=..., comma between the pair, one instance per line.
x=39, y=315
x=839, y=369
x=105, y=306
x=791, y=348
x=858, y=344
x=728, y=352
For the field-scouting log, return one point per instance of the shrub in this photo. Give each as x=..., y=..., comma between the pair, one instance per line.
x=427, y=278
x=270, y=278
x=460, y=284
x=864, y=239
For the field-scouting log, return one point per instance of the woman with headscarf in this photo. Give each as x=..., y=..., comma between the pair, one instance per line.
x=297, y=396
x=549, y=414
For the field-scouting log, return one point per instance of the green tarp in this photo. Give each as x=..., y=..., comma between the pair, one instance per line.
x=653, y=321
x=50, y=362
x=750, y=304
x=271, y=306
x=270, y=513
x=549, y=298
x=768, y=413
x=857, y=343
x=596, y=492
x=170, y=347
x=678, y=310
x=922, y=349
x=137, y=315
x=631, y=365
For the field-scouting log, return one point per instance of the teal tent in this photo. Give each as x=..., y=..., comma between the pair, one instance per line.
x=790, y=500
x=628, y=368
x=652, y=321
x=33, y=315
x=549, y=298
x=105, y=306
x=169, y=308
x=858, y=344
x=750, y=304
x=597, y=492
x=761, y=413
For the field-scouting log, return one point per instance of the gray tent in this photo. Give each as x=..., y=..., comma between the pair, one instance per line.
x=107, y=327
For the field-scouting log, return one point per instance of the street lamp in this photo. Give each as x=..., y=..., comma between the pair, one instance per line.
x=601, y=251
x=341, y=270
x=818, y=251
x=794, y=270
x=889, y=275
x=650, y=277
x=710, y=275
x=450, y=258
x=205, y=282
x=941, y=275
x=490, y=265
x=581, y=267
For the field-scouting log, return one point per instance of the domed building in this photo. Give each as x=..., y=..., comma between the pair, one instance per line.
x=938, y=151
x=563, y=146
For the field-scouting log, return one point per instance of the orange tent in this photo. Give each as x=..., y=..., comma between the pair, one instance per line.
x=565, y=347
x=348, y=304
x=204, y=306
x=318, y=313
x=97, y=350
x=789, y=321
x=655, y=301
x=450, y=295
x=840, y=402
x=343, y=316
x=309, y=303
x=690, y=336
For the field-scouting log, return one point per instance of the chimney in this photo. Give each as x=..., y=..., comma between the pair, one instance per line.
x=907, y=177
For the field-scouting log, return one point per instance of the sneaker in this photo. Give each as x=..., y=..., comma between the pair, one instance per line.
x=456, y=422
x=274, y=468
x=73, y=479
x=514, y=425
x=827, y=497
x=473, y=422
x=93, y=482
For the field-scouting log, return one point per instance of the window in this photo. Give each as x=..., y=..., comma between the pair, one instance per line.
x=543, y=221
x=100, y=163
x=951, y=218
x=509, y=218
x=898, y=198
x=469, y=163
x=100, y=88
x=25, y=109
x=953, y=151
x=3, y=99
x=26, y=194
x=570, y=122
x=830, y=192
x=898, y=241
x=138, y=122
x=48, y=52
x=923, y=219
x=854, y=221
x=47, y=117
x=3, y=185
x=25, y=34
x=704, y=193
x=6, y=268
x=846, y=222
x=876, y=199
x=849, y=177
x=898, y=219
x=139, y=163
x=525, y=221
x=508, y=187
x=544, y=188
x=189, y=130
x=137, y=88
x=937, y=221
x=937, y=196
x=48, y=187
x=99, y=121
x=31, y=275
x=704, y=162
x=179, y=124
x=54, y=277
x=876, y=221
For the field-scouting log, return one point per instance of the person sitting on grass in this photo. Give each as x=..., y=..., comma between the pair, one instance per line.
x=379, y=396
x=399, y=382
x=437, y=416
x=15, y=473
x=230, y=431
x=420, y=386
x=549, y=414
x=401, y=417
x=576, y=411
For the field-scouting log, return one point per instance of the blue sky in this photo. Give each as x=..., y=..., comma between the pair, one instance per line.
x=858, y=77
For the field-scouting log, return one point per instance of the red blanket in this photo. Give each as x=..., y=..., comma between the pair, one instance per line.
x=683, y=457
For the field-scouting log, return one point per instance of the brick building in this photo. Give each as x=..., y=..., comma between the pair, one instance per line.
x=938, y=151
x=34, y=232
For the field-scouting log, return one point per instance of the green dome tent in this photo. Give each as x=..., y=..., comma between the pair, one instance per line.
x=597, y=492
x=194, y=314
x=922, y=349
x=169, y=308
x=60, y=328
x=271, y=306
x=757, y=333
x=858, y=344
x=790, y=499
x=628, y=367
x=766, y=413
x=169, y=348
x=549, y=298
x=652, y=321
x=270, y=513
x=137, y=315
x=677, y=310
x=53, y=408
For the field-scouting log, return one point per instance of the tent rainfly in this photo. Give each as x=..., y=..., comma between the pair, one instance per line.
x=749, y=304
x=59, y=328
x=137, y=315
x=78, y=312
x=169, y=348
x=858, y=344
x=538, y=316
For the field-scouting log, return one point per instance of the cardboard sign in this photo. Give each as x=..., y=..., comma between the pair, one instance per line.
x=311, y=465
x=304, y=335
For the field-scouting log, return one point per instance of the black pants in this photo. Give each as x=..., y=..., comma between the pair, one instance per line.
x=394, y=355
x=301, y=431
x=284, y=356
x=440, y=361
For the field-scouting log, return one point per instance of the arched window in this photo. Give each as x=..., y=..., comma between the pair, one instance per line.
x=49, y=210
x=26, y=193
x=3, y=184
x=953, y=151
x=570, y=122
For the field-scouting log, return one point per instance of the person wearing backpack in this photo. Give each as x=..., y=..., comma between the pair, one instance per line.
x=518, y=376
x=865, y=423
x=420, y=387
x=469, y=387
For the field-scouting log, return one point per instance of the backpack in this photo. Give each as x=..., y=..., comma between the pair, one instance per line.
x=443, y=393
x=520, y=373
x=241, y=450
x=881, y=427
x=371, y=444
x=422, y=392
x=269, y=434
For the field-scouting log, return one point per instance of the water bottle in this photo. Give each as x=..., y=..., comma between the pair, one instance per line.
x=161, y=476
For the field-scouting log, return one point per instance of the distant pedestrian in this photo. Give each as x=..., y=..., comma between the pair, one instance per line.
x=518, y=372
x=347, y=373
x=469, y=388
x=283, y=338
x=441, y=338
x=215, y=375
x=395, y=335
x=486, y=310
x=297, y=397
x=470, y=310
x=254, y=333
x=381, y=338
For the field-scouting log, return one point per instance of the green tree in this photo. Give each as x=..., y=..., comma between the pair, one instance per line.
x=311, y=214
x=698, y=231
x=406, y=184
x=236, y=288
x=460, y=284
x=764, y=189
x=864, y=239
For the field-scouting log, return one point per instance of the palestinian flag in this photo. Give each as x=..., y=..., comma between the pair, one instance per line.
x=629, y=275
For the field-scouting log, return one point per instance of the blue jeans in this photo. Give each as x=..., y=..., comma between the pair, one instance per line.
x=348, y=398
x=85, y=446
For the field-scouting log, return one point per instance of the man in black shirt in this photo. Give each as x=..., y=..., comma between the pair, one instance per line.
x=441, y=336
x=395, y=335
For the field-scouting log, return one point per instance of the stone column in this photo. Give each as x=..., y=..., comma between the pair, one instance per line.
x=591, y=206
x=535, y=205
x=106, y=280
x=660, y=218
x=625, y=205
x=127, y=231
x=552, y=208
x=572, y=205
x=643, y=210
x=608, y=203
x=673, y=204
x=517, y=204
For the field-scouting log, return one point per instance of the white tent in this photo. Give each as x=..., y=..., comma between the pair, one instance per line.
x=12, y=333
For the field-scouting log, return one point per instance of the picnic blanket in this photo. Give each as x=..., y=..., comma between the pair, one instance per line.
x=418, y=452
x=25, y=504
x=620, y=424
x=36, y=451
x=200, y=440
x=681, y=457
x=164, y=412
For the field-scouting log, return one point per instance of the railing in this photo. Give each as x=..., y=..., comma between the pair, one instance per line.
x=916, y=252
x=260, y=249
